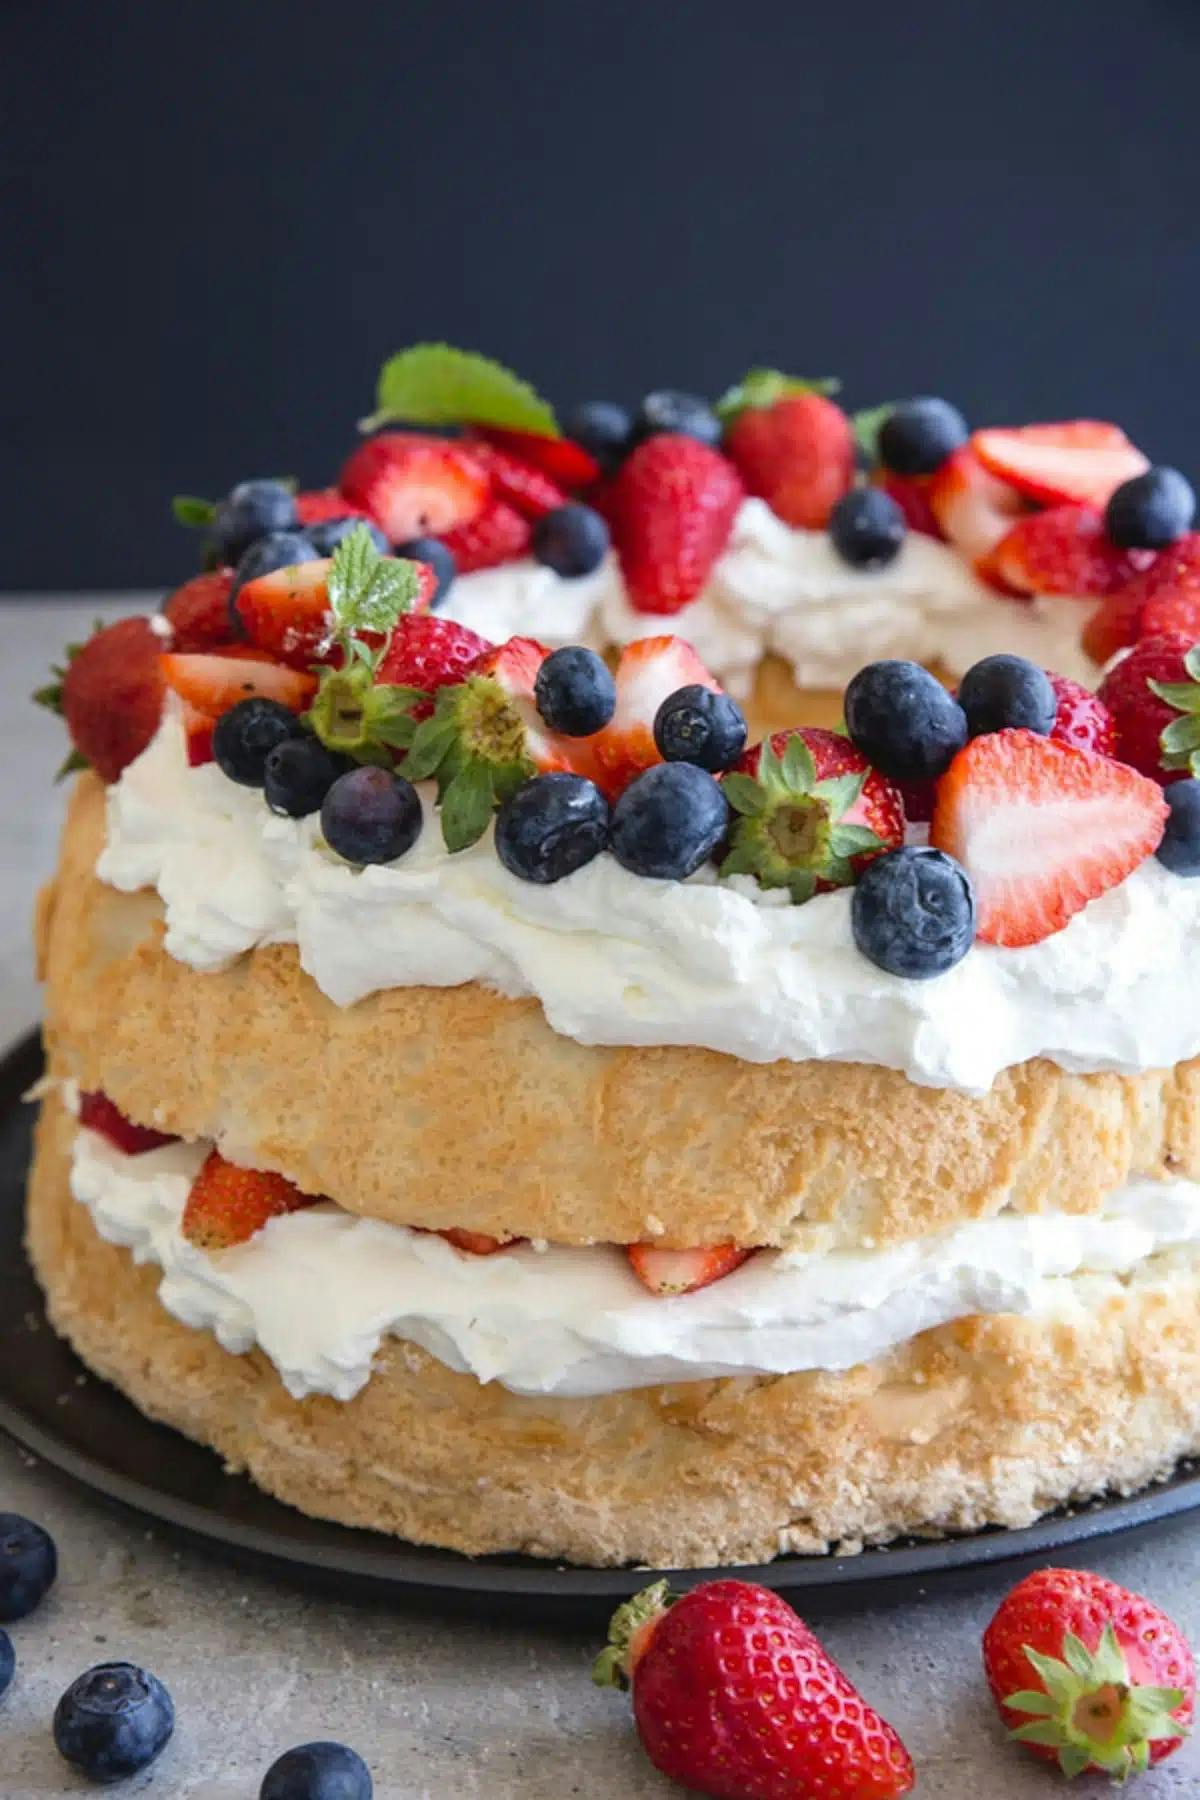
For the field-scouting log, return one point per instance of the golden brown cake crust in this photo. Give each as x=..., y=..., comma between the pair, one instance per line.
x=991, y=1420
x=456, y=1107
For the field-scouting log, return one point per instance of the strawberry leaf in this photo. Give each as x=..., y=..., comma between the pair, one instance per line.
x=744, y=794
x=467, y=805
x=432, y=740
x=192, y=511
x=434, y=384
x=763, y=387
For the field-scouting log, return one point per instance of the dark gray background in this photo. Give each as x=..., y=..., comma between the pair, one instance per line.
x=220, y=218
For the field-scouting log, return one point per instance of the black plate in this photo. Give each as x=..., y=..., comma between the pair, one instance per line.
x=84, y=1427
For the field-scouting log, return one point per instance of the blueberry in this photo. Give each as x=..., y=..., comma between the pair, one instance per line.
x=604, y=429
x=248, y=512
x=669, y=410
x=1179, y=850
x=913, y=913
x=28, y=1565
x=1150, y=511
x=431, y=550
x=867, y=528
x=551, y=826
x=574, y=691
x=113, y=1721
x=668, y=821
x=297, y=775
x=904, y=722
x=8, y=1663
x=1003, y=692
x=244, y=737
x=370, y=815
x=572, y=540
x=694, y=725
x=278, y=551
x=918, y=435
x=328, y=534
x=317, y=1772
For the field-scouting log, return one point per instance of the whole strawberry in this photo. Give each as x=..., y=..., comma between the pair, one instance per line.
x=110, y=693
x=1088, y=1675
x=733, y=1696
x=199, y=612
x=1140, y=714
x=790, y=445
x=671, y=509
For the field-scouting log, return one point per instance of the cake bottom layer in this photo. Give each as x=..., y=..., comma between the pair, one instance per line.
x=986, y=1421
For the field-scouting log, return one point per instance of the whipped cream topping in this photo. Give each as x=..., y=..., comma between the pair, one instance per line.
x=318, y=1291
x=616, y=958
x=788, y=591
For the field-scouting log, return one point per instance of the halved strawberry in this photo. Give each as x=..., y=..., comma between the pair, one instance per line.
x=475, y=1243
x=561, y=458
x=497, y=534
x=1064, y=550
x=286, y=613
x=671, y=509
x=973, y=509
x=1079, y=460
x=112, y=693
x=911, y=494
x=228, y=1204
x=1041, y=828
x=650, y=669
x=530, y=490
x=429, y=651
x=414, y=485
x=98, y=1113
x=214, y=682
x=667, y=1272
x=199, y=612
x=315, y=506
x=1082, y=717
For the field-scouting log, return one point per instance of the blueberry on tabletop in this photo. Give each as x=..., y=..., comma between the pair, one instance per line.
x=431, y=550
x=903, y=720
x=572, y=540
x=604, y=429
x=328, y=534
x=371, y=815
x=278, y=551
x=244, y=737
x=297, y=775
x=918, y=435
x=575, y=692
x=551, y=826
x=668, y=821
x=248, y=512
x=913, y=912
x=1003, y=693
x=696, y=725
x=8, y=1663
x=28, y=1565
x=1150, y=511
x=667, y=409
x=113, y=1721
x=1179, y=850
x=318, y=1772
x=867, y=528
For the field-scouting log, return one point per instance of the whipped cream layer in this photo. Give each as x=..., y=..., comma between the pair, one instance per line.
x=788, y=591
x=616, y=958
x=318, y=1291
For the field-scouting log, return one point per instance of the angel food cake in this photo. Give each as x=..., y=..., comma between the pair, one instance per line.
x=493, y=1099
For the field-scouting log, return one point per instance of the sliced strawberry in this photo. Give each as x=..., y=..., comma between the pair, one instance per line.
x=413, y=485
x=1113, y=626
x=1163, y=598
x=911, y=494
x=98, y=1113
x=1080, y=460
x=1082, y=718
x=315, y=506
x=1064, y=550
x=112, y=695
x=286, y=613
x=498, y=534
x=1140, y=716
x=198, y=732
x=973, y=509
x=671, y=509
x=227, y=1204
x=667, y=1272
x=475, y=1243
x=650, y=669
x=429, y=651
x=215, y=682
x=199, y=612
x=1041, y=828
x=530, y=490
x=562, y=459
x=797, y=453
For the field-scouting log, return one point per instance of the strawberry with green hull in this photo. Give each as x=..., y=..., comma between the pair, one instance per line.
x=429, y=652
x=110, y=695
x=790, y=444
x=1153, y=695
x=227, y=1205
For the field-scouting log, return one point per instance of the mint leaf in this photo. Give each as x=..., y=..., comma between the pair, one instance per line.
x=867, y=425
x=434, y=384
x=762, y=387
x=193, y=512
x=368, y=591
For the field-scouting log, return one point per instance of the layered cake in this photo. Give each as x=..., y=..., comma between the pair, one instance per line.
x=498, y=1096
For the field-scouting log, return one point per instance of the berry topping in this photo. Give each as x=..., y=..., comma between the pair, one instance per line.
x=1081, y=459
x=1082, y=718
x=251, y=510
x=575, y=692
x=668, y=1272
x=433, y=553
x=904, y=721
x=28, y=1566
x=650, y=670
x=498, y=534
x=1115, y=623
x=370, y=815
x=603, y=429
x=668, y=821
x=1179, y=850
x=429, y=653
x=415, y=485
x=918, y=435
x=277, y=551
x=113, y=1721
x=671, y=509
x=867, y=528
x=111, y=695
x=733, y=1695
x=700, y=725
x=551, y=827
x=913, y=913
x=1064, y=550
x=286, y=613
x=314, y=506
x=1006, y=692
x=199, y=612
x=323, y=1771
x=98, y=1113
x=1151, y=510
x=326, y=535
x=228, y=1204
x=1136, y=691
x=244, y=737
x=1041, y=828
x=572, y=540
x=911, y=494
x=671, y=410
x=791, y=445
x=520, y=484
x=973, y=509
x=217, y=681
x=297, y=775
x=1088, y=1675
x=810, y=813
x=475, y=1243
x=568, y=464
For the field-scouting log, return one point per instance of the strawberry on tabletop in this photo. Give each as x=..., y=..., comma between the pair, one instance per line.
x=110, y=695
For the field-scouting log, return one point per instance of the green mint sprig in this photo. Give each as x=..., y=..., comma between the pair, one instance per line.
x=352, y=713
x=435, y=384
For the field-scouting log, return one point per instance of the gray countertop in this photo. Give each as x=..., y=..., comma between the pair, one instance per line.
x=440, y=1708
